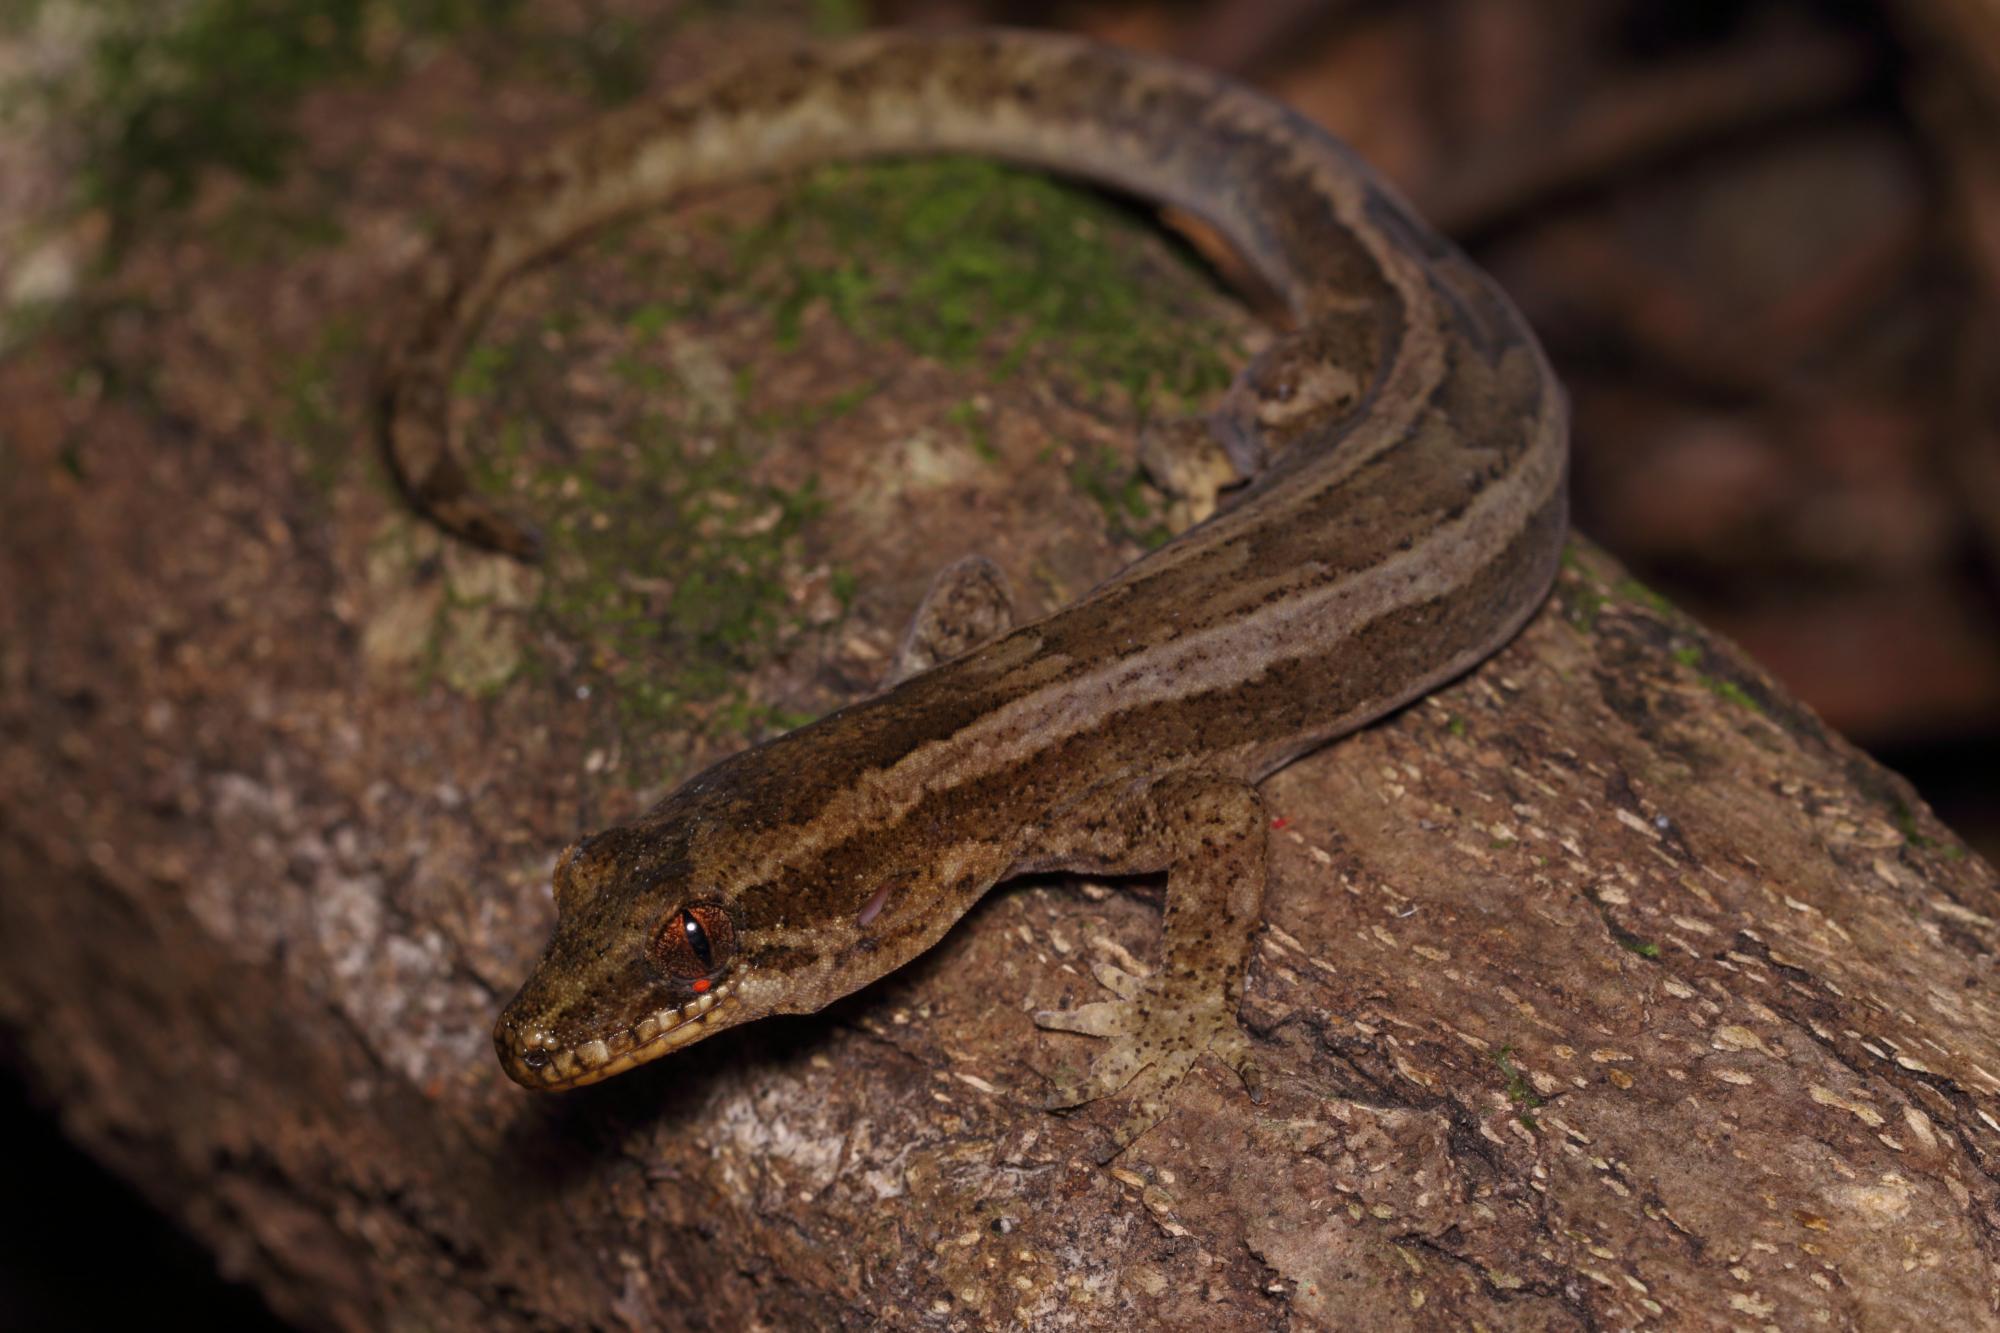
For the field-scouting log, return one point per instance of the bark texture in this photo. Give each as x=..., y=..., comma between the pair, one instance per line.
x=1603, y=989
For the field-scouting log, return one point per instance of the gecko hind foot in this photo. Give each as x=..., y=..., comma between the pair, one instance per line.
x=1193, y=462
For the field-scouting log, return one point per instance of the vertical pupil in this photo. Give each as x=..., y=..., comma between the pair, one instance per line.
x=697, y=939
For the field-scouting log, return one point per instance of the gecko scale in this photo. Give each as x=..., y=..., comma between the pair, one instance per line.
x=1401, y=456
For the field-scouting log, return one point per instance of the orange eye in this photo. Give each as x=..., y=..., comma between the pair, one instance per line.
x=695, y=942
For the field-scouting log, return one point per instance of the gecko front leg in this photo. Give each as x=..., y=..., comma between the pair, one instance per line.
x=1207, y=831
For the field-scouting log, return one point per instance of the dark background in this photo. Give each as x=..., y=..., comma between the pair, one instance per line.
x=1761, y=239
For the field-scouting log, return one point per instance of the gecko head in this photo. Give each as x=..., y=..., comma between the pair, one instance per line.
x=648, y=956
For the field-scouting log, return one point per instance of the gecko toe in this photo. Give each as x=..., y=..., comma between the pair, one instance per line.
x=1103, y=1018
x=1117, y=980
x=1146, y=1099
x=1231, y=1045
x=1107, y=1076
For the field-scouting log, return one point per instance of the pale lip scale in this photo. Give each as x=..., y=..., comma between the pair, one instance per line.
x=653, y=1036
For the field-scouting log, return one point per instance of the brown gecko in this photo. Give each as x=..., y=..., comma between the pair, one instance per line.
x=1402, y=461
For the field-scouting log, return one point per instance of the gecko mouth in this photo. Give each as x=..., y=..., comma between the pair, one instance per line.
x=533, y=1058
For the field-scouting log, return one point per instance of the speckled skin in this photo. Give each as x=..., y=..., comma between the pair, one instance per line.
x=1407, y=453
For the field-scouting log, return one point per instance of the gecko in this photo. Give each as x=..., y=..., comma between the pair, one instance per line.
x=1391, y=474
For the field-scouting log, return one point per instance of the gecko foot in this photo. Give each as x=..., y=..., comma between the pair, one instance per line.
x=1188, y=459
x=1155, y=1032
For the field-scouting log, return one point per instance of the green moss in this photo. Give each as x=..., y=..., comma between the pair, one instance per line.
x=650, y=319
x=1124, y=498
x=1634, y=591
x=797, y=418
x=1582, y=603
x=959, y=258
x=1455, y=725
x=315, y=414
x=172, y=91
x=845, y=586
x=1519, y=1091
x=479, y=370
x=1691, y=655
x=1587, y=597
x=636, y=372
x=971, y=261
x=667, y=573
x=1906, y=823
x=1732, y=692
x=968, y=417
x=1582, y=597
x=25, y=321
x=674, y=575
x=964, y=260
x=1624, y=939
x=845, y=401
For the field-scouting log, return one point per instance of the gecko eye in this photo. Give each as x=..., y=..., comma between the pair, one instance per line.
x=695, y=943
